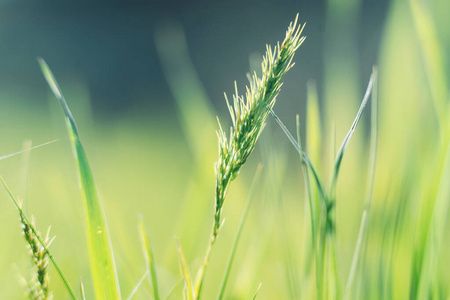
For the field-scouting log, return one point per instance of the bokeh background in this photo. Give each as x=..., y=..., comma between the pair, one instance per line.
x=145, y=81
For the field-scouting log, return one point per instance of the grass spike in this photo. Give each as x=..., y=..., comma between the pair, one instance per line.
x=250, y=113
x=26, y=220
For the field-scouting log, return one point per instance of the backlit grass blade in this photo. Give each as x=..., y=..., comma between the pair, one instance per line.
x=149, y=260
x=41, y=241
x=185, y=274
x=26, y=150
x=257, y=291
x=226, y=273
x=340, y=155
x=370, y=183
x=101, y=255
x=138, y=285
x=303, y=155
x=83, y=293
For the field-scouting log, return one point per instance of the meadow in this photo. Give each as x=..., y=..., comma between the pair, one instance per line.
x=320, y=205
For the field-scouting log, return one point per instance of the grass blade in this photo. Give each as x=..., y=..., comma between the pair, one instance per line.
x=257, y=291
x=83, y=293
x=340, y=155
x=370, y=185
x=138, y=285
x=26, y=150
x=149, y=259
x=50, y=256
x=226, y=273
x=103, y=268
x=305, y=157
x=185, y=274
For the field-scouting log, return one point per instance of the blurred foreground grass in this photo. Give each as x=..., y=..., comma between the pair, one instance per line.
x=162, y=168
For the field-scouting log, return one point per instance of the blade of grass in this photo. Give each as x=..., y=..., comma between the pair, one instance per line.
x=257, y=291
x=149, y=259
x=226, y=273
x=340, y=155
x=138, y=285
x=185, y=274
x=103, y=268
x=370, y=183
x=26, y=150
x=83, y=293
x=305, y=157
x=50, y=256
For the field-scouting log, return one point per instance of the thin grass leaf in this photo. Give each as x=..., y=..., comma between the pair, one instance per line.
x=138, y=285
x=370, y=184
x=257, y=291
x=83, y=293
x=149, y=259
x=103, y=268
x=26, y=150
x=305, y=157
x=226, y=273
x=185, y=274
x=41, y=241
x=340, y=155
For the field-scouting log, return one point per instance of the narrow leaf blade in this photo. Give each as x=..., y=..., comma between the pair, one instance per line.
x=148, y=253
x=101, y=255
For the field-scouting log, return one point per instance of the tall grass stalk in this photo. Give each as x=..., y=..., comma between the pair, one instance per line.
x=248, y=116
x=325, y=232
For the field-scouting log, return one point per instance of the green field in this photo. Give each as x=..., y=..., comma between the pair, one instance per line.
x=378, y=225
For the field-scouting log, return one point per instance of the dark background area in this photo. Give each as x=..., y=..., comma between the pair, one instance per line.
x=110, y=44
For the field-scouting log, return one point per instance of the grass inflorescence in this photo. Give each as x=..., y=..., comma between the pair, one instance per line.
x=38, y=286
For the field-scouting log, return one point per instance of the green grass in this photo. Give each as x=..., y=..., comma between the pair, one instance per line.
x=374, y=230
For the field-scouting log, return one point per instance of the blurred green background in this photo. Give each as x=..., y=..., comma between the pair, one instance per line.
x=145, y=81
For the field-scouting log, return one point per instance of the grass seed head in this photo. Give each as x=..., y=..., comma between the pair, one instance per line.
x=249, y=114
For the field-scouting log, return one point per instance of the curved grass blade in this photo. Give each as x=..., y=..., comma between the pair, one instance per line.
x=370, y=183
x=340, y=155
x=226, y=273
x=150, y=262
x=103, y=268
x=50, y=256
x=185, y=274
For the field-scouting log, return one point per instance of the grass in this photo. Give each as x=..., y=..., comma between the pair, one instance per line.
x=304, y=237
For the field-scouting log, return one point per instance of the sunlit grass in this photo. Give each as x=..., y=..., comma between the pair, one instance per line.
x=359, y=235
